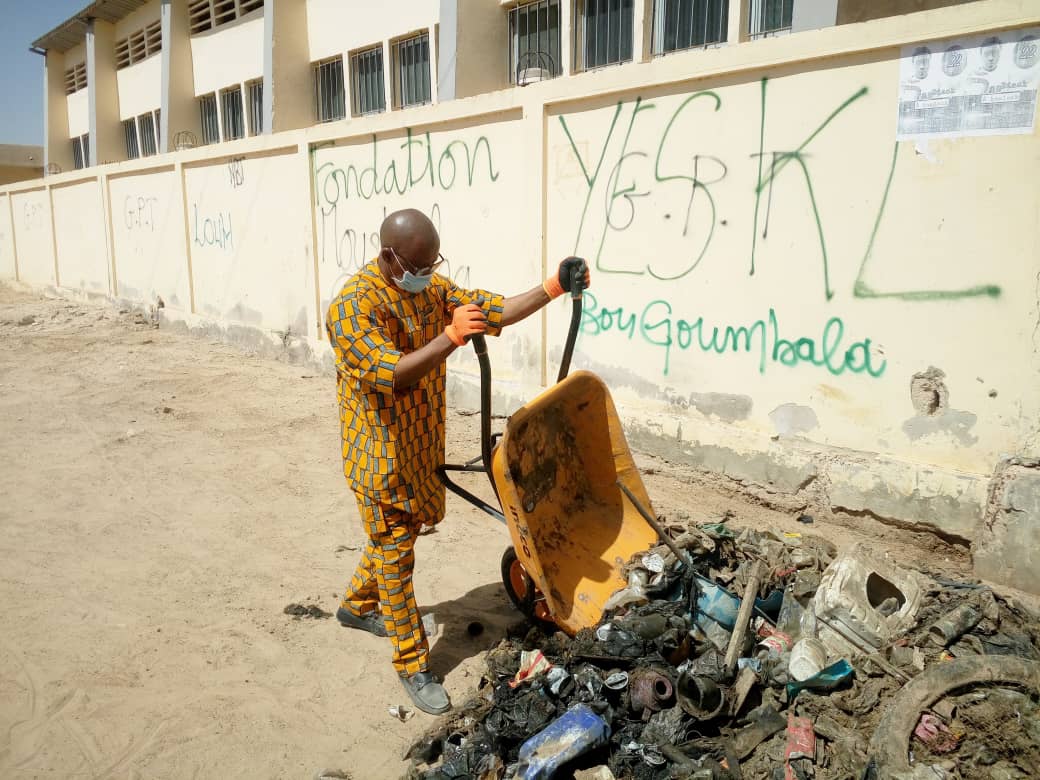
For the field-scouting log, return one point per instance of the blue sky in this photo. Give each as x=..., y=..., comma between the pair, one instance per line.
x=21, y=71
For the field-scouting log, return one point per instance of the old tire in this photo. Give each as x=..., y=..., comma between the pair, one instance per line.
x=890, y=743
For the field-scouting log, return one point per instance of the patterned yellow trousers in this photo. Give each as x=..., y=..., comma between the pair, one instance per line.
x=383, y=582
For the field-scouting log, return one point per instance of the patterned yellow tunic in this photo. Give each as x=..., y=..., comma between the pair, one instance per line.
x=393, y=441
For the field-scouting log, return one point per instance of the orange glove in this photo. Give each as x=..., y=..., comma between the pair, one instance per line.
x=467, y=320
x=561, y=283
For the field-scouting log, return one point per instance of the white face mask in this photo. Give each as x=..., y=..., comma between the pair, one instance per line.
x=409, y=282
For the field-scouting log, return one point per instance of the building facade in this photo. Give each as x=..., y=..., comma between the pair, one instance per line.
x=131, y=78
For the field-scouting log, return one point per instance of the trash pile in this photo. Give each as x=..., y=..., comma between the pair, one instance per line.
x=758, y=655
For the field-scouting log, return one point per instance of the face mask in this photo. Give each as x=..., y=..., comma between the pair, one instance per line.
x=409, y=282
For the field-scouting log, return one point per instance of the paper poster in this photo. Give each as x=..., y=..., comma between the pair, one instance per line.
x=982, y=85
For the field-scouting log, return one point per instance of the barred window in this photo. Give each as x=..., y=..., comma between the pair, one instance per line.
x=130, y=137
x=231, y=111
x=534, y=42
x=769, y=18
x=81, y=151
x=366, y=80
x=146, y=126
x=76, y=78
x=329, y=98
x=411, y=60
x=256, y=107
x=605, y=32
x=210, y=120
x=687, y=24
x=205, y=15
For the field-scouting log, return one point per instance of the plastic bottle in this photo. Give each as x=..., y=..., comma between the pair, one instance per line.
x=577, y=731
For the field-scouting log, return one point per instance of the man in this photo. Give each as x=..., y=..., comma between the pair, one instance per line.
x=392, y=327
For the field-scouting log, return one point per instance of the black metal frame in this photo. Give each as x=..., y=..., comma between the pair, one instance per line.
x=482, y=463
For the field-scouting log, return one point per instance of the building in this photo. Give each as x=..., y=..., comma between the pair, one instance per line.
x=18, y=162
x=131, y=78
x=812, y=226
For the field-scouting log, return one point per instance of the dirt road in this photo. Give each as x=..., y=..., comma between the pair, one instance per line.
x=164, y=498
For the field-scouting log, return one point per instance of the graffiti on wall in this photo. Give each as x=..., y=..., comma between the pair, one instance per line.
x=623, y=173
x=212, y=229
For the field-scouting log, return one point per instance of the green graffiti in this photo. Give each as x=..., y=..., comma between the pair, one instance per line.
x=334, y=184
x=860, y=289
x=778, y=163
x=656, y=326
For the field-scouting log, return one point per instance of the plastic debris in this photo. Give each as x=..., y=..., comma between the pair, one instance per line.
x=401, y=712
x=532, y=664
x=576, y=732
x=935, y=734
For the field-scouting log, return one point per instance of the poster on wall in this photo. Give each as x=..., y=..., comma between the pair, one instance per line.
x=982, y=85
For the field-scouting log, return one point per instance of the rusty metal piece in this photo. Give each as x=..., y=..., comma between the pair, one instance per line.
x=649, y=691
x=700, y=697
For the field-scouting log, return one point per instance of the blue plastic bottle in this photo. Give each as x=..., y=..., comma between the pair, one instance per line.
x=577, y=731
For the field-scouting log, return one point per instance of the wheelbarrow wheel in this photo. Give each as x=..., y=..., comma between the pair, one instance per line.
x=523, y=592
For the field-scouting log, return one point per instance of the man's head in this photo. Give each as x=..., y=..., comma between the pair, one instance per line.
x=922, y=59
x=410, y=244
x=990, y=54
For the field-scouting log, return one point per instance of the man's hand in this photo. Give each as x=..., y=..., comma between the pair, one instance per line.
x=467, y=320
x=563, y=281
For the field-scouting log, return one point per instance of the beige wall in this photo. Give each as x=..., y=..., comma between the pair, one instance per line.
x=148, y=237
x=231, y=54
x=10, y=173
x=482, y=48
x=8, y=267
x=77, y=109
x=765, y=327
x=851, y=11
x=340, y=26
x=110, y=142
x=34, y=240
x=79, y=235
x=182, y=112
x=137, y=20
x=290, y=77
x=140, y=87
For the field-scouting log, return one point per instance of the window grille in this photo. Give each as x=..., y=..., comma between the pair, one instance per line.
x=366, y=79
x=769, y=18
x=411, y=58
x=256, y=107
x=606, y=32
x=81, y=151
x=534, y=41
x=146, y=126
x=231, y=110
x=204, y=15
x=130, y=137
x=76, y=78
x=329, y=98
x=687, y=24
x=210, y=120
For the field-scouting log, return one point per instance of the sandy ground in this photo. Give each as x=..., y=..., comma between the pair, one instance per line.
x=164, y=498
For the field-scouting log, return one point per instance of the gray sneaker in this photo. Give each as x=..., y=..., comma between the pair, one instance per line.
x=427, y=693
x=373, y=623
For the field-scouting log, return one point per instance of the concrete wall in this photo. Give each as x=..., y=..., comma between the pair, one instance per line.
x=8, y=268
x=230, y=54
x=341, y=26
x=856, y=330
x=852, y=11
x=140, y=87
x=10, y=173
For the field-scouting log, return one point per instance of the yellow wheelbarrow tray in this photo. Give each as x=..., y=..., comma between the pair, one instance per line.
x=569, y=493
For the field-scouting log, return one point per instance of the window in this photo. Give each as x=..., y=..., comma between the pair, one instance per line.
x=366, y=81
x=130, y=136
x=687, y=24
x=534, y=42
x=76, y=78
x=141, y=45
x=141, y=135
x=210, y=121
x=231, y=112
x=146, y=128
x=605, y=27
x=204, y=15
x=768, y=18
x=256, y=107
x=411, y=58
x=81, y=151
x=329, y=98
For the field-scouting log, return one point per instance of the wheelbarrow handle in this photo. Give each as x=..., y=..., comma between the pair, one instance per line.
x=577, y=287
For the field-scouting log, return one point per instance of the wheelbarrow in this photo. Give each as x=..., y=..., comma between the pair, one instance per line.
x=568, y=491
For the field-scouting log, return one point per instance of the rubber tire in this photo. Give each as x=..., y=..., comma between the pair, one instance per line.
x=526, y=603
